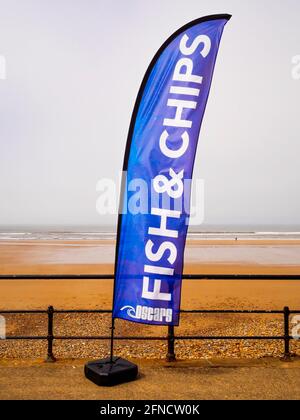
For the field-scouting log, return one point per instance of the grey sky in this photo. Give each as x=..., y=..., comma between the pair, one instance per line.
x=73, y=71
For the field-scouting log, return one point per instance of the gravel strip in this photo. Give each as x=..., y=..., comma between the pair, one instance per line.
x=98, y=324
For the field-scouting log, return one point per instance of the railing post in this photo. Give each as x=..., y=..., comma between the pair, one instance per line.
x=50, y=337
x=286, y=315
x=171, y=357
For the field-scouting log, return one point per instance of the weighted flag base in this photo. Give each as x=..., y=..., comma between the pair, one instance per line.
x=106, y=373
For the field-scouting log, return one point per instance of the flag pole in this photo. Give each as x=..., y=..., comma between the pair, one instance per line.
x=113, y=370
x=120, y=211
x=112, y=339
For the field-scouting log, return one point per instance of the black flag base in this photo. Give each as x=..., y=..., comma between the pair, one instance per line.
x=107, y=372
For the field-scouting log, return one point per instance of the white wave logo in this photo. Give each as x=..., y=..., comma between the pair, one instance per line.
x=147, y=313
x=130, y=311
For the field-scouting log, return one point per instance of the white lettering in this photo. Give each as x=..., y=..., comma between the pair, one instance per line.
x=162, y=230
x=156, y=294
x=180, y=105
x=187, y=75
x=154, y=269
x=173, y=153
x=200, y=39
x=156, y=256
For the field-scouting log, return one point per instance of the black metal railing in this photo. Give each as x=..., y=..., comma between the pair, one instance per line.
x=171, y=337
x=184, y=276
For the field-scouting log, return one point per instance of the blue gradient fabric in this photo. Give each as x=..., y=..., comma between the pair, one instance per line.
x=158, y=167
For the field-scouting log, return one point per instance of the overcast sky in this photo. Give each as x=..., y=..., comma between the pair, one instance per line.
x=73, y=69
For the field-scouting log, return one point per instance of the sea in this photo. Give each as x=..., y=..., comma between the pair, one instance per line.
x=92, y=232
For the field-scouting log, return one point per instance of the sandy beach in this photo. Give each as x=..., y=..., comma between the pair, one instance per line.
x=202, y=256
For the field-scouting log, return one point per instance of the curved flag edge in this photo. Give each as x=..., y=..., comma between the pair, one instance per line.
x=134, y=115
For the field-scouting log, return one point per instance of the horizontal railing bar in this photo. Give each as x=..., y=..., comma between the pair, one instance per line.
x=183, y=311
x=243, y=337
x=73, y=337
x=184, y=276
x=231, y=311
x=56, y=276
x=18, y=311
x=241, y=277
x=82, y=311
x=108, y=338
x=184, y=337
x=28, y=337
x=59, y=311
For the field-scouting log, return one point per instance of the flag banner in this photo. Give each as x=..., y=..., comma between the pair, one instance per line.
x=158, y=166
